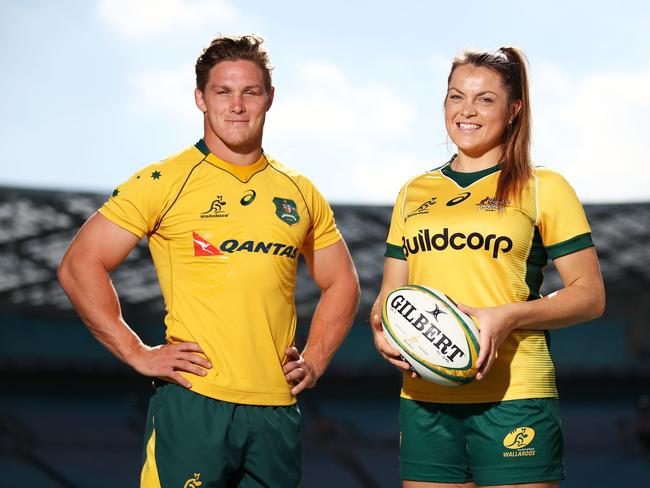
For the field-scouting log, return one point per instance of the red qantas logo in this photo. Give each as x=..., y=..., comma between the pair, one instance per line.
x=203, y=247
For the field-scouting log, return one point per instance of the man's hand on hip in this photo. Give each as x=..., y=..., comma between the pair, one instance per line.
x=299, y=372
x=167, y=360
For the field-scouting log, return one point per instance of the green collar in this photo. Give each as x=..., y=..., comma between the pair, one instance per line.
x=203, y=147
x=466, y=179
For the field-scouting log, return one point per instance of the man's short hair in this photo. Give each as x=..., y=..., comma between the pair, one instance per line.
x=233, y=48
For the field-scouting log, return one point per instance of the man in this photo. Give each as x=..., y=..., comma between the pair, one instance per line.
x=225, y=224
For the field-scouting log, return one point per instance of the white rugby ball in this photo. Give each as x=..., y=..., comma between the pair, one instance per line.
x=440, y=342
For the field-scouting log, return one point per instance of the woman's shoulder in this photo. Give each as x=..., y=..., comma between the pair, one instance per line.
x=547, y=175
x=424, y=176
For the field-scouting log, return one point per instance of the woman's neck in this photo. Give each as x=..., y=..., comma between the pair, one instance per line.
x=470, y=163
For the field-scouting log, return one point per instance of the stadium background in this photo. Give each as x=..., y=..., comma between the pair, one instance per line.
x=71, y=415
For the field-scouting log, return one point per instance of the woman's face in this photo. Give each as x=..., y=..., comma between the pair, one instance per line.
x=477, y=110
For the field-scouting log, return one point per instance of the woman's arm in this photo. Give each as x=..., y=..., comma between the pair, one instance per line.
x=581, y=299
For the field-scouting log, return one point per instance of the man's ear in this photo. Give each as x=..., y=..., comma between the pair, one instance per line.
x=271, y=95
x=200, y=103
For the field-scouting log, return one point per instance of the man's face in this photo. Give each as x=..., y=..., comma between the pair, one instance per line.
x=234, y=103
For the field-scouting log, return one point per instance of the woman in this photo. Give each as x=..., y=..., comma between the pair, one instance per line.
x=492, y=222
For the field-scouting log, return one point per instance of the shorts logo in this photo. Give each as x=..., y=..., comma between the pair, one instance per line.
x=517, y=441
x=193, y=482
x=460, y=198
x=286, y=210
x=215, y=209
x=203, y=247
x=424, y=208
x=248, y=197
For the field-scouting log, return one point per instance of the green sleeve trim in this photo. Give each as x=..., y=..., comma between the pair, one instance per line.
x=393, y=251
x=574, y=244
x=537, y=259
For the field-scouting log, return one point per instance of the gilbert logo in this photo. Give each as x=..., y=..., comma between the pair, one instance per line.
x=215, y=209
x=436, y=312
x=203, y=247
x=193, y=482
x=517, y=441
x=429, y=330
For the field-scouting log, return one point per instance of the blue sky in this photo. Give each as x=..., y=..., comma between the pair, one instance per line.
x=92, y=90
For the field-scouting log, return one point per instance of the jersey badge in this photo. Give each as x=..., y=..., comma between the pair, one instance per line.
x=286, y=210
x=216, y=209
x=203, y=247
x=424, y=208
x=490, y=204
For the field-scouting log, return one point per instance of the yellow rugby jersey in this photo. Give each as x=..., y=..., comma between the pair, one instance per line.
x=448, y=228
x=225, y=241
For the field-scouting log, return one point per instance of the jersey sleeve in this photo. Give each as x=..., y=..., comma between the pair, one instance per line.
x=323, y=231
x=562, y=222
x=394, y=242
x=136, y=204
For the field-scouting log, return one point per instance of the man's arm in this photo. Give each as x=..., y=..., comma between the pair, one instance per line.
x=99, y=247
x=334, y=273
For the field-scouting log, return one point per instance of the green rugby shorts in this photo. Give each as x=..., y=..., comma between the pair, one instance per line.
x=516, y=441
x=192, y=440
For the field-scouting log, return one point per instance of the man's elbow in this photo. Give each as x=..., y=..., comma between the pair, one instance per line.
x=599, y=305
x=73, y=266
x=64, y=272
x=596, y=302
x=355, y=288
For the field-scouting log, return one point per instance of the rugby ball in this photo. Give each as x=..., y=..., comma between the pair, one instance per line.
x=440, y=342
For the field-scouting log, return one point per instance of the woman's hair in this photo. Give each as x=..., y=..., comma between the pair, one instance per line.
x=516, y=166
x=233, y=48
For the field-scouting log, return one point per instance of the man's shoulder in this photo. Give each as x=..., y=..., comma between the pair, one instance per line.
x=183, y=159
x=168, y=170
x=298, y=178
x=162, y=176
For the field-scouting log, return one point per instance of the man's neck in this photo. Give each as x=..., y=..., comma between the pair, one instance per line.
x=240, y=156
